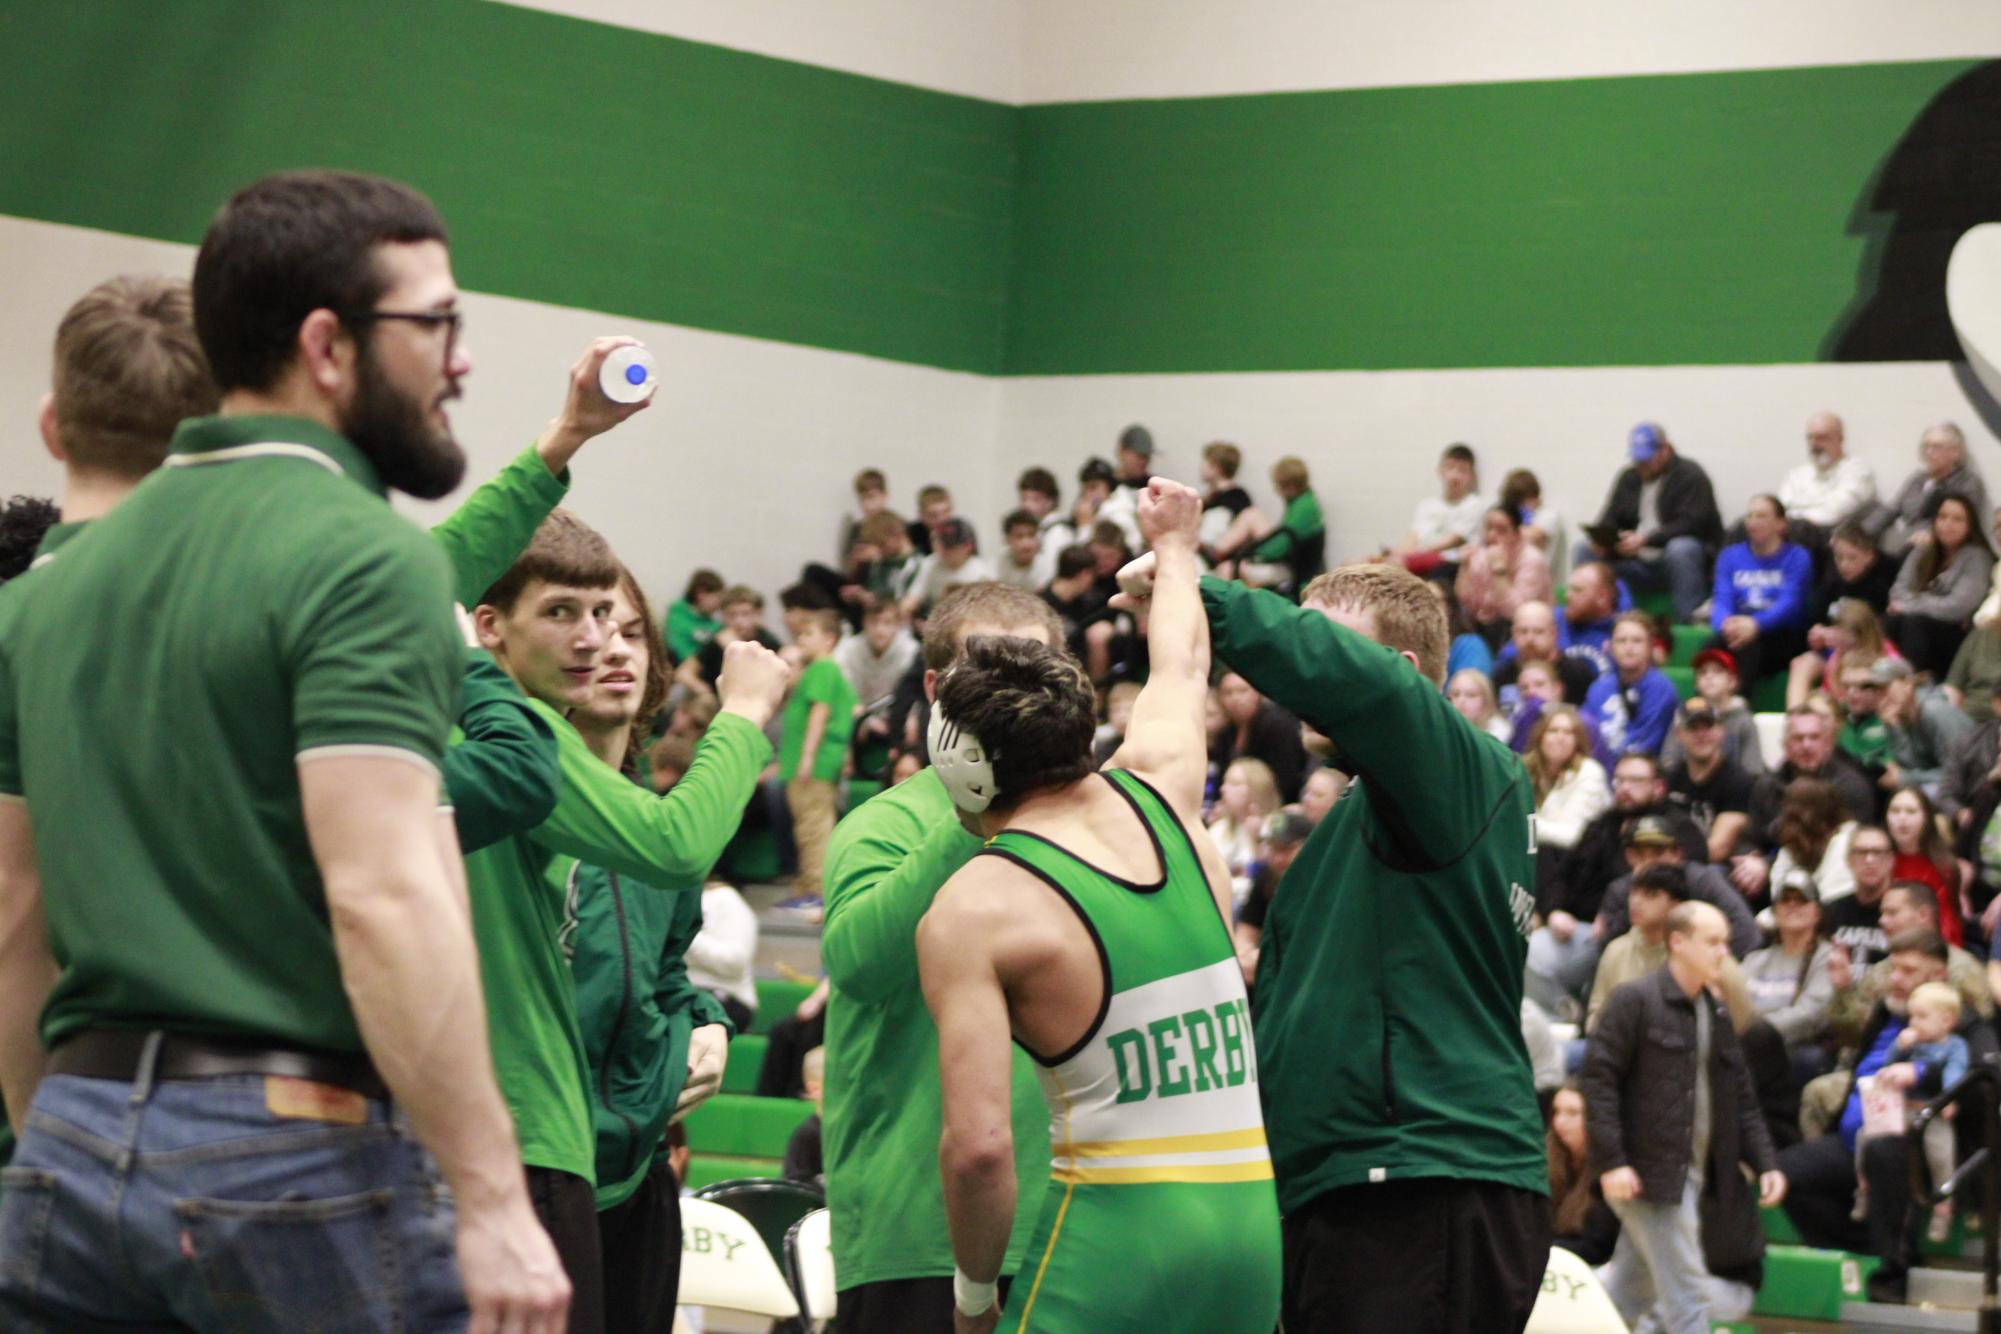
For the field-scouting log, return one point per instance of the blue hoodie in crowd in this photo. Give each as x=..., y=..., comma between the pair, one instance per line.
x=1772, y=590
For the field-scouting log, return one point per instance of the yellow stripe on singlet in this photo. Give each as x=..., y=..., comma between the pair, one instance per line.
x=1211, y=1142
x=1259, y=1170
x=1056, y=1228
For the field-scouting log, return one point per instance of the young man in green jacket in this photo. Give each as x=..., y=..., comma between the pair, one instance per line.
x=887, y=861
x=655, y=1041
x=548, y=621
x=1398, y=1096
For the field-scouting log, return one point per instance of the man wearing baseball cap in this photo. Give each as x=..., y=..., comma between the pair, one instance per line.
x=1707, y=784
x=1659, y=527
x=1135, y=467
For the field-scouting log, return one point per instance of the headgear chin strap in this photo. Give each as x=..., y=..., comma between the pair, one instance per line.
x=963, y=764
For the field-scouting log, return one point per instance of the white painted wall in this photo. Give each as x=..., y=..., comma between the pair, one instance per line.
x=970, y=47
x=1028, y=51
x=1091, y=50
x=744, y=462
x=1372, y=439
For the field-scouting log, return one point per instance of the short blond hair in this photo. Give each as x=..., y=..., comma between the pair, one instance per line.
x=1936, y=996
x=1408, y=617
x=1289, y=477
x=128, y=370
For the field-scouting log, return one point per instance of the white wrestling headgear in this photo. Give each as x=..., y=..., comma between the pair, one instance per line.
x=963, y=764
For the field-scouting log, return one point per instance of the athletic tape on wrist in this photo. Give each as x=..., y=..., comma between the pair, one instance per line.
x=972, y=1298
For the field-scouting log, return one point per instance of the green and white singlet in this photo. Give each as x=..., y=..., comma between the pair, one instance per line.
x=1161, y=1214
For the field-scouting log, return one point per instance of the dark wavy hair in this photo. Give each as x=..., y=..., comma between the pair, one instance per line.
x=23, y=521
x=1031, y=707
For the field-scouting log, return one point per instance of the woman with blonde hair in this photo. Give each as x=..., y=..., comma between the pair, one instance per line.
x=1248, y=794
x=1855, y=635
x=1471, y=692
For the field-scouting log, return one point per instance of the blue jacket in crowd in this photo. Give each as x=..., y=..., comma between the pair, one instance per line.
x=1636, y=716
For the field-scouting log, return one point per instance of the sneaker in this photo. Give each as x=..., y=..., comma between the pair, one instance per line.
x=806, y=908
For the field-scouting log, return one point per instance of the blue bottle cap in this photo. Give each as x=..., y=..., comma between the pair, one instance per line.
x=635, y=374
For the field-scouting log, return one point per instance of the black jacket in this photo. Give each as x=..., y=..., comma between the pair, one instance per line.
x=1688, y=505
x=1639, y=1099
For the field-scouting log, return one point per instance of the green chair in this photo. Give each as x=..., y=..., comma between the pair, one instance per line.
x=1688, y=641
x=746, y=1058
x=745, y=1126
x=776, y=998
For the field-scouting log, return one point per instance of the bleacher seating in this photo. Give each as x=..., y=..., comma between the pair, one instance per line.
x=737, y=1134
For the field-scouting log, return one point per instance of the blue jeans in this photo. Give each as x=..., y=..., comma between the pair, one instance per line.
x=1683, y=567
x=189, y=1205
x=1560, y=968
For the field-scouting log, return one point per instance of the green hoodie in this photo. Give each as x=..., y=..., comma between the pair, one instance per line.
x=1389, y=988
x=635, y=1005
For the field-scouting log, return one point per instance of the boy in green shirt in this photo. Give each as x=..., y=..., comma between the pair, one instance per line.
x=549, y=622
x=819, y=723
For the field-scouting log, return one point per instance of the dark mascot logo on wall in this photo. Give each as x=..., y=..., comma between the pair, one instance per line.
x=1930, y=284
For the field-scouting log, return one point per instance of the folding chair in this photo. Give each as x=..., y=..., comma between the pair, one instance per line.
x=809, y=1263
x=1573, y=1301
x=725, y=1263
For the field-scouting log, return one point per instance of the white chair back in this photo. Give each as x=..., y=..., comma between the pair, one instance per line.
x=1573, y=1301
x=811, y=1242
x=724, y=1263
x=1771, y=738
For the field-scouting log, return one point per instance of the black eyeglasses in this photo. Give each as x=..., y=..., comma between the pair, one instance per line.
x=452, y=320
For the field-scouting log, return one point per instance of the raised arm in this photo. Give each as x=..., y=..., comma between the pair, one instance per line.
x=962, y=988
x=487, y=532
x=668, y=842
x=1165, y=741
x=1368, y=700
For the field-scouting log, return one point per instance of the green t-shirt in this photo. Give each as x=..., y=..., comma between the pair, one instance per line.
x=252, y=604
x=687, y=630
x=882, y=1115
x=1302, y=523
x=1866, y=741
x=823, y=682
x=1389, y=989
x=531, y=1013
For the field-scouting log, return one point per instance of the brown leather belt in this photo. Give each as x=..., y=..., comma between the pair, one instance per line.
x=114, y=1053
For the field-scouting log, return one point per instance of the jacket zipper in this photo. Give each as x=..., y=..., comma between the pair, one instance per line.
x=624, y=1003
x=1389, y=1075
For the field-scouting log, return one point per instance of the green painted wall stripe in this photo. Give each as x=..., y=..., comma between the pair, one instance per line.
x=1645, y=221
x=577, y=164
x=1648, y=221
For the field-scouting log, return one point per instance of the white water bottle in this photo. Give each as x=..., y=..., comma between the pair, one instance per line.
x=626, y=376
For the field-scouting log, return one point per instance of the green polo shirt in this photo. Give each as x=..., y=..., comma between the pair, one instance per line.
x=253, y=603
